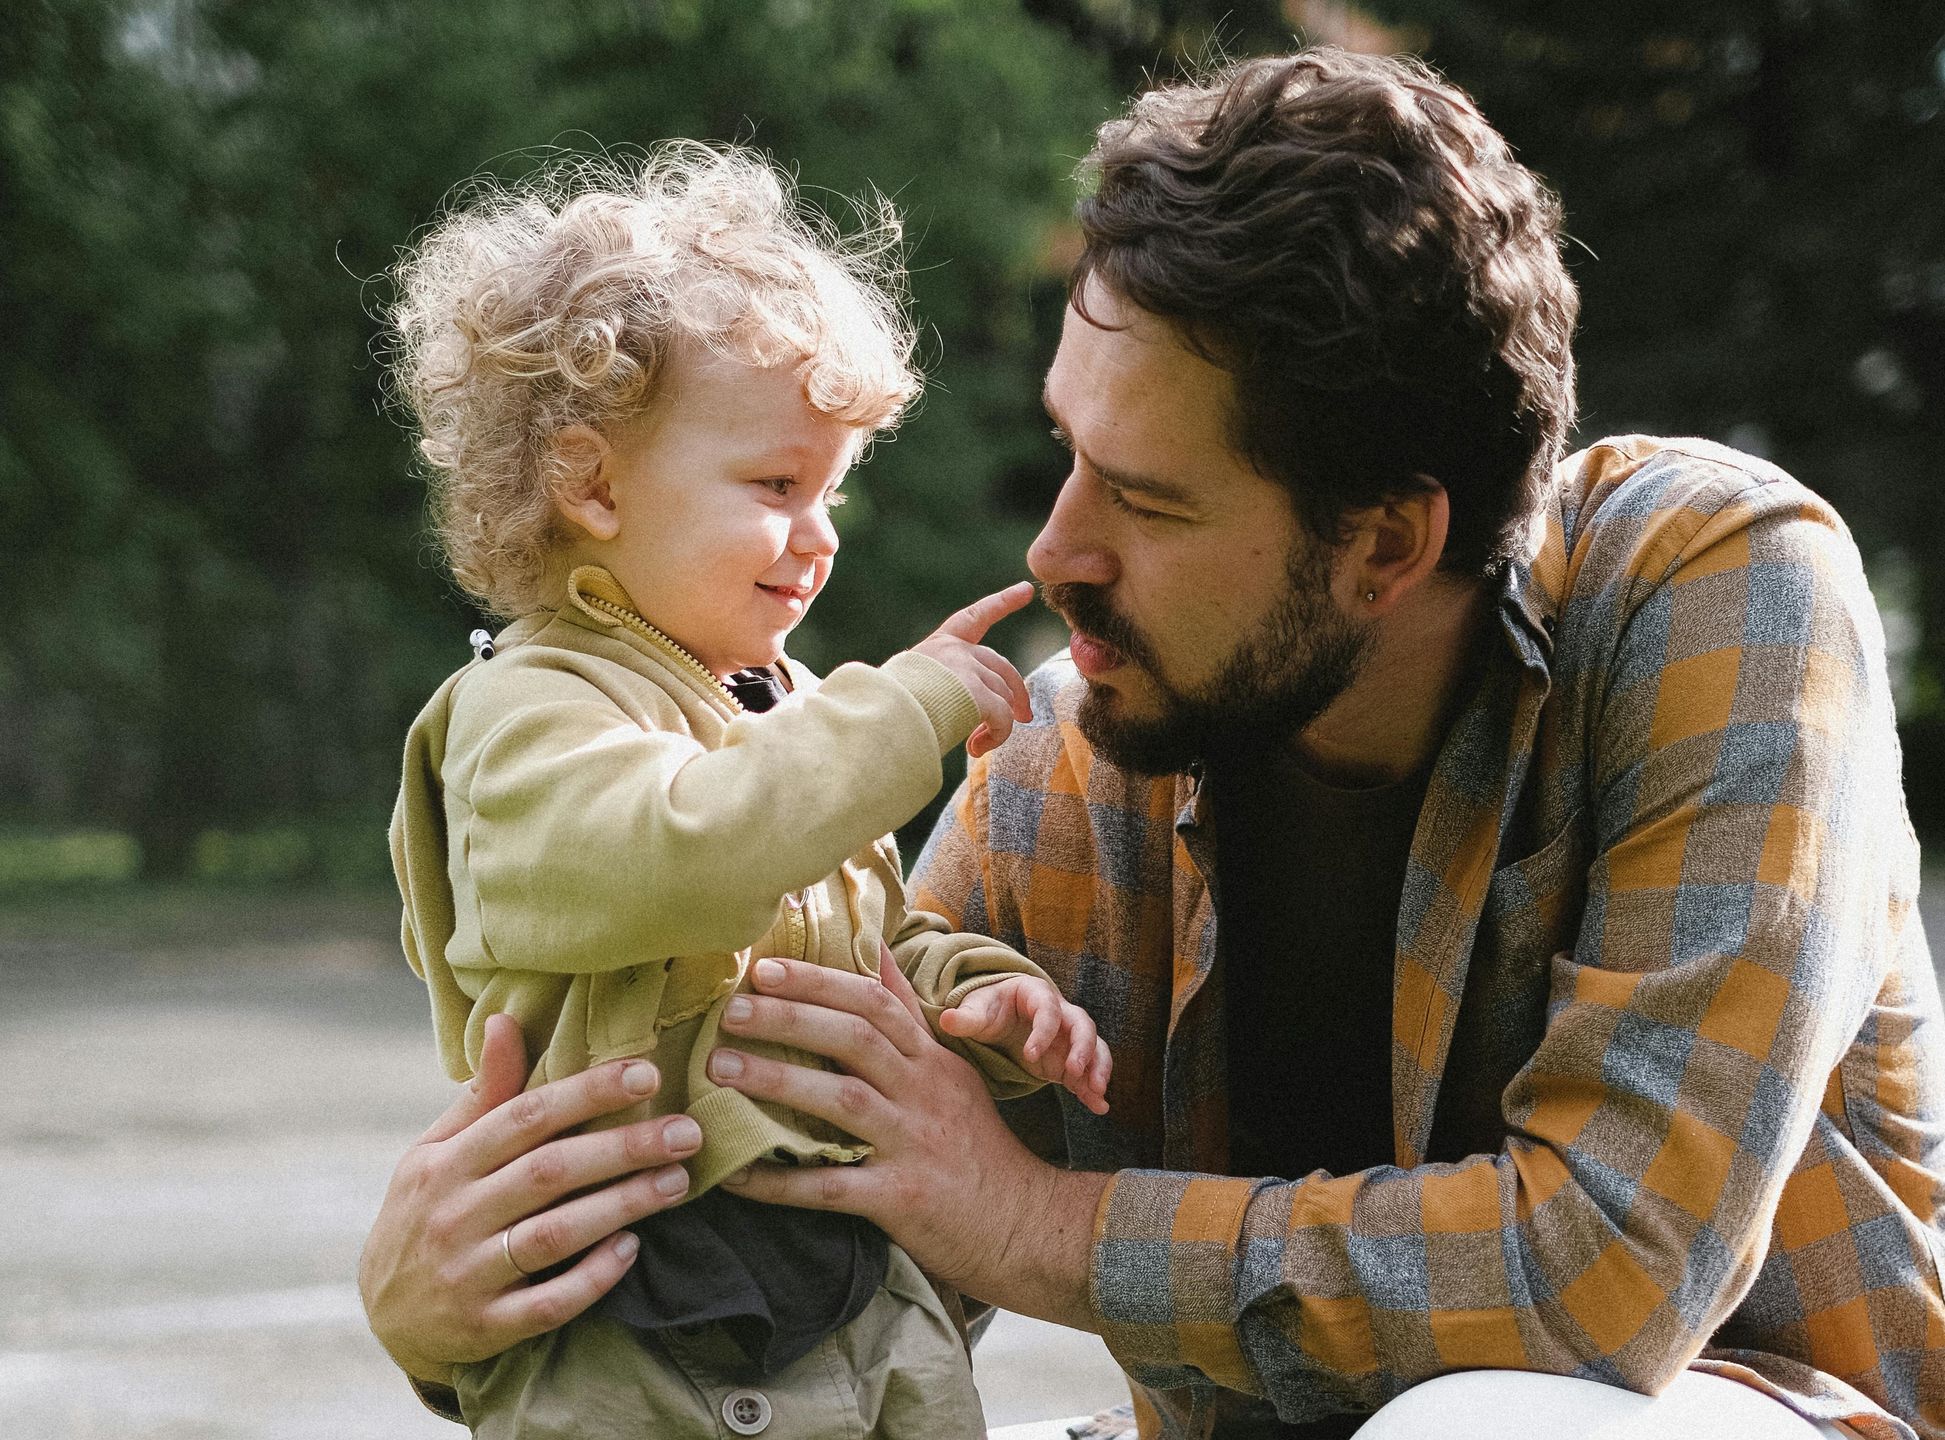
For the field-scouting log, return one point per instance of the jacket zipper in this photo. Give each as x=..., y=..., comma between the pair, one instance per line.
x=794, y=923
x=793, y=904
x=641, y=627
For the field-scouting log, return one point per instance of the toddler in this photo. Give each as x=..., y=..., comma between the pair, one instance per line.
x=637, y=392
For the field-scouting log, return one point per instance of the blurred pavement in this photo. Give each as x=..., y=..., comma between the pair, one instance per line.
x=198, y=1127
x=195, y=1136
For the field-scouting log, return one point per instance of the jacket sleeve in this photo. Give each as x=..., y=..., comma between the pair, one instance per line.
x=595, y=844
x=1744, y=799
x=945, y=966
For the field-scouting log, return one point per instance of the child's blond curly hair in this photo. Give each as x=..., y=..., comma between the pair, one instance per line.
x=557, y=300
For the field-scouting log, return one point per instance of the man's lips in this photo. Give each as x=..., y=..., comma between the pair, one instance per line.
x=1094, y=657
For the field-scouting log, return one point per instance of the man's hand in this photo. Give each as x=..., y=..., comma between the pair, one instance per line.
x=947, y=1180
x=1048, y=1034
x=485, y=1185
x=996, y=686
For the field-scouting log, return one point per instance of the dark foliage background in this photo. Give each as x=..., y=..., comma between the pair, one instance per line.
x=220, y=611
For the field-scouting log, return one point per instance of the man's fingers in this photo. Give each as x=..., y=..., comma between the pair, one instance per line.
x=528, y=1310
x=851, y=1103
x=540, y=1241
x=518, y=1125
x=887, y=1003
x=972, y=623
x=809, y=1187
x=852, y=1041
x=502, y=1071
x=527, y=1186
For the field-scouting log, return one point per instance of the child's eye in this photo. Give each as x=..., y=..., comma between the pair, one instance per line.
x=780, y=485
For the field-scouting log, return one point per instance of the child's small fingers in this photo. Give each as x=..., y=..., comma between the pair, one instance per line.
x=1046, y=1026
x=1016, y=690
x=1098, y=1077
x=1080, y=1039
x=974, y=1018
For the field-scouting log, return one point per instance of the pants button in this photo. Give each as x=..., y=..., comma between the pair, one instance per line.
x=747, y=1412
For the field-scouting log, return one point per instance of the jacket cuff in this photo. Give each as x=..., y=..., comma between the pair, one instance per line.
x=1167, y=1248
x=943, y=696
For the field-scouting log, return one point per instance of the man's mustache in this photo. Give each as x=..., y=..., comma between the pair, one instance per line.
x=1086, y=609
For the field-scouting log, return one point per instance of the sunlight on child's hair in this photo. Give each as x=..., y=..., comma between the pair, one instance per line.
x=557, y=300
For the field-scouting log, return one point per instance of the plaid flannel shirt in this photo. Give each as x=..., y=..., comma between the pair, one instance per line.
x=1668, y=1064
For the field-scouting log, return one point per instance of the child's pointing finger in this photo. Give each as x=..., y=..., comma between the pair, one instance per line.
x=972, y=623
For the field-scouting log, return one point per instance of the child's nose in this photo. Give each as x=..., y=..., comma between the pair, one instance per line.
x=813, y=534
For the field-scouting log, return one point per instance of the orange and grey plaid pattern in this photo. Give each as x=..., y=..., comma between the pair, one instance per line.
x=1668, y=1060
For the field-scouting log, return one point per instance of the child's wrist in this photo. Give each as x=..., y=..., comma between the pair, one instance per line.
x=942, y=695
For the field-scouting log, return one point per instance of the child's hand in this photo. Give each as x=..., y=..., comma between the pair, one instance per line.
x=1049, y=1036
x=996, y=686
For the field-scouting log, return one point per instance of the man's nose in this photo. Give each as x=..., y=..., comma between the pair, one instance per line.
x=1071, y=547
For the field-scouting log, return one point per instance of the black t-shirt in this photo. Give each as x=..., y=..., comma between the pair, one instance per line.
x=1308, y=882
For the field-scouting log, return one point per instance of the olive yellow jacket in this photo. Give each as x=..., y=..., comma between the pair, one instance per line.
x=593, y=837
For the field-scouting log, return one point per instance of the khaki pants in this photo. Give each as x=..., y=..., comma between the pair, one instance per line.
x=899, y=1369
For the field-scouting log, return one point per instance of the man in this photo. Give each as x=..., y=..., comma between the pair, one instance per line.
x=1505, y=857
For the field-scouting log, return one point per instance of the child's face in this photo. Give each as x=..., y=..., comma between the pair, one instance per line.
x=719, y=495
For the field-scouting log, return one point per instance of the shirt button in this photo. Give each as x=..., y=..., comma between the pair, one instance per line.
x=747, y=1412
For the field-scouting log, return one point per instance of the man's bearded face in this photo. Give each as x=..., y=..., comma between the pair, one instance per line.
x=1278, y=677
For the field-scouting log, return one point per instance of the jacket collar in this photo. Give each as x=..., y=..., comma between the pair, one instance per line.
x=595, y=596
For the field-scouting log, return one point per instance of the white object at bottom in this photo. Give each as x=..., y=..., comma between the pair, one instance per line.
x=1477, y=1404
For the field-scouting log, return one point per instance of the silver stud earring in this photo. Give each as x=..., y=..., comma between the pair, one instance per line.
x=1370, y=596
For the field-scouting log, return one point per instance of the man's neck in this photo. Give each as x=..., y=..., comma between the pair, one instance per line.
x=1391, y=722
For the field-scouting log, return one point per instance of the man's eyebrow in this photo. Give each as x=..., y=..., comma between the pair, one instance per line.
x=1149, y=485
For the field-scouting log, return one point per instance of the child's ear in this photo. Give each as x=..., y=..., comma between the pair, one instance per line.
x=582, y=456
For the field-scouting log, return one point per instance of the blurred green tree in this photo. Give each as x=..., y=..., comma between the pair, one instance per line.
x=1756, y=192
x=223, y=608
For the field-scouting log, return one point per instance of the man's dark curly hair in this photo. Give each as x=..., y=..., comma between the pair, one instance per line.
x=1350, y=240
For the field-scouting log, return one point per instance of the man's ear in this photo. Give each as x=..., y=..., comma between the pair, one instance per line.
x=1395, y=547
x=579, y=475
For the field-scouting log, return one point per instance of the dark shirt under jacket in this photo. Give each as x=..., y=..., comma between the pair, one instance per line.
x=1309, y=880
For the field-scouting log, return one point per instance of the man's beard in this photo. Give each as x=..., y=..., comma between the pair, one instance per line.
x=1281, y=676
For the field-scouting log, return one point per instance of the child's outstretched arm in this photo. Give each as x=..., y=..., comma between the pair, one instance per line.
x=573, y=800
x=1049, y=1035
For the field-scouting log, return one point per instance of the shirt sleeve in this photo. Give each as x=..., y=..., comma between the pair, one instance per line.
x=1744, y=799
x=593, y=842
